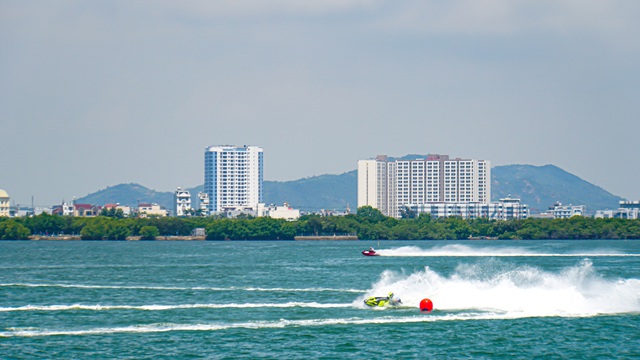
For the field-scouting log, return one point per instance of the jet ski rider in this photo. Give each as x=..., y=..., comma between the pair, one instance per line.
x=393, y=300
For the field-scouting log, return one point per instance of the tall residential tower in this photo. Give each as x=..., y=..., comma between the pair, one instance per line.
x=233, y=176
x=390, y=186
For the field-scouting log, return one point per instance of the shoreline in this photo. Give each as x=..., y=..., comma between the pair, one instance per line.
x=327, y=237
x=128, y=238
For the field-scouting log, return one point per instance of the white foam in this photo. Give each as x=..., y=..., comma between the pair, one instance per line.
x=459, y=250
x=282, y=323
x=172, y=288
x=99, y=307
x=519, y=291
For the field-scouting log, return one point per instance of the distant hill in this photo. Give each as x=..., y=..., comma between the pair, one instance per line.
x=330, y=192
x=127, y=194
x=541, y=186
x=538, y=186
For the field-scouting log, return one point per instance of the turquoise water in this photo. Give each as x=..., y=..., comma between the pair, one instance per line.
x=293, y=300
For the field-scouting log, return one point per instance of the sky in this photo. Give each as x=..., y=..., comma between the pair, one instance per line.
x=99, y=93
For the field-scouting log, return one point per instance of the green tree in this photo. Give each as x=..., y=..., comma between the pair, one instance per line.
x=46, y=224
x=370, y=214
x=11, y=230
x=94, y=230
x=117, y=230
x=311, y=224
x=149, y=232
x=220, y=230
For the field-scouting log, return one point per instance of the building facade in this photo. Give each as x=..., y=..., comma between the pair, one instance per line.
x=126, y=210
x=85, y=210
x=559, y=211
x=233, y=177
x=66, y=209
x=203, y=203
x=279, y=212
x=505, y=209
x=154, y=210
x=627, y=210
x=181, y=202
x=5, y=205
x=392, y=185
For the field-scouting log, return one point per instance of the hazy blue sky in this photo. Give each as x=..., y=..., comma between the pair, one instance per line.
x=97, y=93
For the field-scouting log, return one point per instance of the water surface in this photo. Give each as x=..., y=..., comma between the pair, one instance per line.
x=148, y=300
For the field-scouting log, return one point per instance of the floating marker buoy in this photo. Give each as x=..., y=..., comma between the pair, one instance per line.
x=426, y=305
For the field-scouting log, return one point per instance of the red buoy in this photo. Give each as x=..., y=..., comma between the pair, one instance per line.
x=426, y=305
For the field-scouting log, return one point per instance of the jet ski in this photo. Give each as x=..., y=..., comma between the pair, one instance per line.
x=370, y=252
x=382, y=301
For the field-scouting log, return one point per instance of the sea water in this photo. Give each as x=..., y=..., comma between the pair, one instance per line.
x=294, y=300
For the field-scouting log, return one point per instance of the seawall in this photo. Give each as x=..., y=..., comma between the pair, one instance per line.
x=327, y=237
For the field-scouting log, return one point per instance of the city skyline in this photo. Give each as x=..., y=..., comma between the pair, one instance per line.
x=98, y=94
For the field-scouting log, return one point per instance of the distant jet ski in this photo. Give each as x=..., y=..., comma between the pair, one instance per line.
x=383, y=301
x=370, y=252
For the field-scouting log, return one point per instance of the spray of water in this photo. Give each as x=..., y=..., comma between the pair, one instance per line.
x=459, y=250
x=514, y=290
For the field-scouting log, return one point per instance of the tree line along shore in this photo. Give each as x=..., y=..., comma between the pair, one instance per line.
x=367, y=224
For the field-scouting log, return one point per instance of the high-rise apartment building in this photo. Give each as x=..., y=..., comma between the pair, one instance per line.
x=233, y=176
x=390, y=186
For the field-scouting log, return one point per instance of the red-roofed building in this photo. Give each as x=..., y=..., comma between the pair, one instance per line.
x=126, y=210
x=86, y=210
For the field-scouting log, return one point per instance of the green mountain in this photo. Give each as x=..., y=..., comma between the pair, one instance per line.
x=127, y=194
x=329, y=192
x=542, y=186
x=538, y=186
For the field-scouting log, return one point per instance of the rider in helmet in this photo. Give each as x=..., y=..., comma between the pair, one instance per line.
x=394, y=300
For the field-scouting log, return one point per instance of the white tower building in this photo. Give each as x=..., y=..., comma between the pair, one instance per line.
x=181, y=202
x=233, y=176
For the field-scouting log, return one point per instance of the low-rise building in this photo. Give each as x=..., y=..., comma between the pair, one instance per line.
x=627, y=210
x=5, y=206
x=146, y=210
x=198, y=232
x=126, y=210
x=506, y=209
x=235, y=211
x=65, y=209
x=279, y=212
x=203, y=203
x=559, y=211
x=86, y=210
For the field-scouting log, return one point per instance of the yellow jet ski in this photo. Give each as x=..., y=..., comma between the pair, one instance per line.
x=382, y=301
